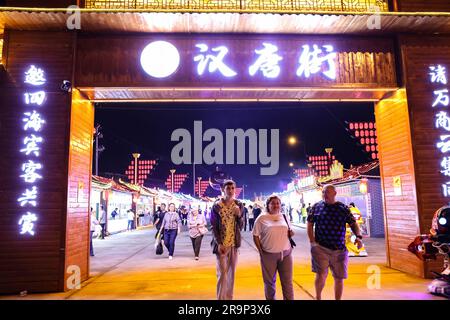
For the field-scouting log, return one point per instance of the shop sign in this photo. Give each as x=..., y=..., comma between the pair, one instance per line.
x=80, y=191
x=307, y=182
x=161, y=59
x=397, y=184
x=291, y=186
x=31, y=147
x=344, y=190
x=441, y=101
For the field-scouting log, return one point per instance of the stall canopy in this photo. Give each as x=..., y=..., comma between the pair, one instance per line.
x=103, y=184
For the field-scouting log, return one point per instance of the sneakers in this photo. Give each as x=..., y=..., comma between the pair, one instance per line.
x=170, y=257
x=196, y=258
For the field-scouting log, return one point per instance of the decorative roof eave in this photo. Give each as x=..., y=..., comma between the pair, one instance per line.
x=131, y=187
x=148, y=191
x=101, y=183
x=227, y=10
x=355, y=173
x=239, y=21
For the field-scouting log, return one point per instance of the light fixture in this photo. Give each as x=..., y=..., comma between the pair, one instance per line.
x=363, y=186
x=292, y=140
x=160, y=59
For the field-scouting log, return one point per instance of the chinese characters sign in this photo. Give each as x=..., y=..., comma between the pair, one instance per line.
x=441, y=101
x=31, y=147
x=217, y=60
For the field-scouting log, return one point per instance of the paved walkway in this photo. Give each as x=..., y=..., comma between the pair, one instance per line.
x=126, y=267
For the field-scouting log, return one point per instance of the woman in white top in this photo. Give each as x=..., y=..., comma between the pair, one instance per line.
x=271, y=236
x=197, y=229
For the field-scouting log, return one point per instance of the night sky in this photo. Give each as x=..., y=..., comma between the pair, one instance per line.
x=147, y=129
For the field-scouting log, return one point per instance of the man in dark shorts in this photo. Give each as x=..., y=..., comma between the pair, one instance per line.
x=326, y=232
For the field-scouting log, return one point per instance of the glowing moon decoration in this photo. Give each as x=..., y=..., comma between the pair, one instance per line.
x=160, y=59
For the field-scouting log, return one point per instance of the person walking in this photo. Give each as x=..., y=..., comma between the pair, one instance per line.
x=245, y=218
x=130, y=217
x=185, y=213
x=227, y=223
x=197, y=229
x=251, y=218
x=156, y=215
x=114, y=213
x=103, y=221
x=298, y=210
x=304, y=213
x=171, y=225
x=94, y=222
x=326, y=232
x=271, y=236
x=160, y=219
x=308, y=209
x=256, y=211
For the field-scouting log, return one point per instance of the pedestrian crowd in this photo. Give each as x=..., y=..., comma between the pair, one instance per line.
x=326, y=222
x=272, y=232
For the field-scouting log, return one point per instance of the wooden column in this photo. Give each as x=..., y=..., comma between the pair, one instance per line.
x=408, y=137
x=79, y=186
x=418, y=55
x=38, y=263
x=396, y=159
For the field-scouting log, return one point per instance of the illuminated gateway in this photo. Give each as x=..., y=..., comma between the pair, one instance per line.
x=57, y=62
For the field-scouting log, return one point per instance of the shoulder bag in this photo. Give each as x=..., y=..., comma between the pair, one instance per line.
x=291, y=241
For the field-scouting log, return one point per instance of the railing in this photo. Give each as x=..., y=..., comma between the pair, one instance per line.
x=244, y=5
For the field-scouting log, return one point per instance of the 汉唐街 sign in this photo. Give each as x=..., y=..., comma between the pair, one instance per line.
x=161, y=59
x=31, y=147
x=441, y=101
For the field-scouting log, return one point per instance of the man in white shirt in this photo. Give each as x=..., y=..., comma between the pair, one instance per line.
x=103, y=221
x=130, y=215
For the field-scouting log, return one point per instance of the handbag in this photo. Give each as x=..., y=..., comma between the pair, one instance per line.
x=158, y=245
x=203, y=230
x=291, y=241
x=214, y=246
x=159, y=248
